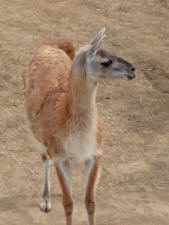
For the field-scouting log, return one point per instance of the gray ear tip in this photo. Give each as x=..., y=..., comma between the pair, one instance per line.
x=102, y=31
x=99, y=37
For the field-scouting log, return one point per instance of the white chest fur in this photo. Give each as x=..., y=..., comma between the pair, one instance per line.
x=81, y=145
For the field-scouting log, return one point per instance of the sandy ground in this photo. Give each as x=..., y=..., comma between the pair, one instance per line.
x=134, y=186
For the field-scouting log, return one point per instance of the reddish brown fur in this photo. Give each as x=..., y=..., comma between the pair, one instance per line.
x=43, y=157
x=48, y=93
x=67, y=198
x=61, y=106
x=90, y=200
x=66, y=45
x=99, y=135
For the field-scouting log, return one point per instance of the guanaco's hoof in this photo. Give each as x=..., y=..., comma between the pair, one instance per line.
x=45, y=206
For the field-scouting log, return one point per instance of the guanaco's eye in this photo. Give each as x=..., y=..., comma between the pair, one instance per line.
x=106, y=63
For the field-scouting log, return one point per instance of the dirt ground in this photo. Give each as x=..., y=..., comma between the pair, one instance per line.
x=134, y=185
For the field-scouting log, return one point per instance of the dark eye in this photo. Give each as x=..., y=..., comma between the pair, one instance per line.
x=106, y=63
x=132, y=69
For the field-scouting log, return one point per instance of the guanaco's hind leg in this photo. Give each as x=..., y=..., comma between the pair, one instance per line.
x=46, y=205
x=91, y=173
x=64, y=176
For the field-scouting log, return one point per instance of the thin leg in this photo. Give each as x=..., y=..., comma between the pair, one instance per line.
x=64, y=176
x=91, y=173
x=46, y=205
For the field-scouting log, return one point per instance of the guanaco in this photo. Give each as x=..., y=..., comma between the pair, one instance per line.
x=60, y=94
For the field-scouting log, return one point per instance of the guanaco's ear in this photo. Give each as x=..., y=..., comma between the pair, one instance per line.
x=96, y=42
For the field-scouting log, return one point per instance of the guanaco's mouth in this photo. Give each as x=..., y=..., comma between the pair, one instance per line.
x=130, y=76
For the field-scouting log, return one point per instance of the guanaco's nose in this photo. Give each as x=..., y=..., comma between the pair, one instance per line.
x=131, y=73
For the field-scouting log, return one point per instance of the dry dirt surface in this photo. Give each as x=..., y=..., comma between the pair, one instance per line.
x=134, y=185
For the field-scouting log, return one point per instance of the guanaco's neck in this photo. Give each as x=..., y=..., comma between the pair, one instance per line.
x=83, y=94
x=82, y=88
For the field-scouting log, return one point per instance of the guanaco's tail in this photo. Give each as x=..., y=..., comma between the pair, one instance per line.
x=67, y=46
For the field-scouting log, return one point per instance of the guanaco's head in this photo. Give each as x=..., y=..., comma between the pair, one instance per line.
x=94, y=62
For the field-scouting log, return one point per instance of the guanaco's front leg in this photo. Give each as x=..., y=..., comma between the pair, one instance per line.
x=64, y=176
x=91, y=174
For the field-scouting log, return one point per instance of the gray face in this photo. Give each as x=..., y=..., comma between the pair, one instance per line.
x=95, y=62
x=107, y=65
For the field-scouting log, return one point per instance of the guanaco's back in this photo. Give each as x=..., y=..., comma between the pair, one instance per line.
x=46, y=77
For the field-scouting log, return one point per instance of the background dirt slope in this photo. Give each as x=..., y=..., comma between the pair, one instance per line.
x=134, y=186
